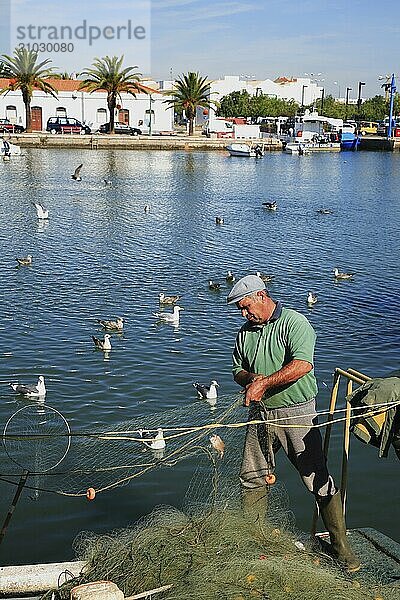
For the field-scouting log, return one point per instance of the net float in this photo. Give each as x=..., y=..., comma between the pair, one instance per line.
x=90, y=493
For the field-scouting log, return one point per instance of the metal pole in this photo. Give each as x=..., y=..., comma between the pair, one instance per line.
x=322, y=100
x=347, y=102
x=151, y=99
x=392, y=93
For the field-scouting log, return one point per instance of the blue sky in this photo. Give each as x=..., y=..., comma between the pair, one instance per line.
x=346, y=41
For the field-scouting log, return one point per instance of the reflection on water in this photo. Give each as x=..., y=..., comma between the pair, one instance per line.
x=101, y=255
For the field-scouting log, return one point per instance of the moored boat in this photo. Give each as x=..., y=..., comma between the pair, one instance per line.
x=246, y=150
x=9, y=149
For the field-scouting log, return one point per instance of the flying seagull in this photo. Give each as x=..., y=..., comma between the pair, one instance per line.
x=104, y=345
x=77, y=173
x=118, y=324
x=30, y=390
x=207, y=392
x=170, y=317
x=270, y=205
x=41, y=211
x=24, y=262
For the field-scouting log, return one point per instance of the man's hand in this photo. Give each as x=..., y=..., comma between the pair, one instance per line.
x=254, y=391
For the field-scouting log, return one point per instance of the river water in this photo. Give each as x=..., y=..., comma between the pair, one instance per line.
x=101, y=255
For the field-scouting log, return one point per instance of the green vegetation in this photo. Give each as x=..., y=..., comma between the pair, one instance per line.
x=26, y=74
x=242, y=104
x=191, y=90
x=107, y=74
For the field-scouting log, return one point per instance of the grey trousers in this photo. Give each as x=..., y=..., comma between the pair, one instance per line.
x=303, y=447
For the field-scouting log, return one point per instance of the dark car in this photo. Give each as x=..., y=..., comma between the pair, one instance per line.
x=7, y=127
x=120, y=128
x=66, y=125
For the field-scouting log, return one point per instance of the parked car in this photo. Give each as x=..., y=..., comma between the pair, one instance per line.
x=66, y=125
x=7, y=127
x=368, y=127
x=120, y=128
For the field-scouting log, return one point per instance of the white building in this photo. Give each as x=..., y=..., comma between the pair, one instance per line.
x=88, y=108
x=302, y=90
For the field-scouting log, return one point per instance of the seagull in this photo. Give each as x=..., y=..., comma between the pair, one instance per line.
x=270, y=205
x=147, y=208
x=155, y=443
x=170, y=317
x=266, y=278
x=213, y=285
x=41, y=211
x=311, y=298
x=324, y=211
x=104, y=345
x=106, y=181
x=163, y=299
x=339, y=275
x=207, y=392
x=218, y=444
x=219, y=220
x=24, y=262
x=30, y=390
x=117, y=324
x=230, y=277
x=77, y=173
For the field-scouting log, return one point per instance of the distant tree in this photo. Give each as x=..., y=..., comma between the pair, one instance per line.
x=235, y=104
x=26, y=74
x=190, y=91
x=242, y=104
x=331, y=108
x=107, y=74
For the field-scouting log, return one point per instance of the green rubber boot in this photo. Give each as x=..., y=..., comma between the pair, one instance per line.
x=332, y=516
x=254, y=504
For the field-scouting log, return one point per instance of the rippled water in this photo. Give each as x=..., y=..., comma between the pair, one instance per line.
x=100, y=255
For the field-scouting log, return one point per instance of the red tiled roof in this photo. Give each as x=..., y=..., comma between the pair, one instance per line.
x=285, y=79
x=72, y=85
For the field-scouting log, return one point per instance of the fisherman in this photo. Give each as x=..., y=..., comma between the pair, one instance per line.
x=273, y=361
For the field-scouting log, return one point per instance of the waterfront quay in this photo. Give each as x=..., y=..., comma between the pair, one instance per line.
x=121, y=142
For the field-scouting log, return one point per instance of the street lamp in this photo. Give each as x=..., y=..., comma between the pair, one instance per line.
x=322, y=100
x=151, y=101
x=302, y=95
x=359, y=101
x=348, y=89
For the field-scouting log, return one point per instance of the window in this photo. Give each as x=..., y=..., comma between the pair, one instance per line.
x=101, y=115
x=11, y=114
x=61, y=111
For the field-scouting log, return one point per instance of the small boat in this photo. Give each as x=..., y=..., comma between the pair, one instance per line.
x=247, y=150
x=349, y=140
x=9, y=149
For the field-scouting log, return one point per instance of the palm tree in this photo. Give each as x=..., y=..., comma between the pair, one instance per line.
x=106, y=74
x=26, y=74
x=190, y=91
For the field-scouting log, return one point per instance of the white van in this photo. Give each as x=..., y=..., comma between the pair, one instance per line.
x=220, y=126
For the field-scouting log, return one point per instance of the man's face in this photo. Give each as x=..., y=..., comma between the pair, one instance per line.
x=252, y=308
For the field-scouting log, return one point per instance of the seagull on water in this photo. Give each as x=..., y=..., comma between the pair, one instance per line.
x=118, y=324
x=76, y=175
x=26, y=261
x=147, y=208
x=219, y=220
x=106, y=181
x=339, y=275
x=104, y=345
x=311, y=298
x=30, y=390
x=230, y=277
x=218, y=444
x=154, y=443
x=213, y=285
x=324, y=211
x=270, y=205
x=163, y=299
x=207, y=392
x=264, y=276
x=41, y=211
x=170, y=317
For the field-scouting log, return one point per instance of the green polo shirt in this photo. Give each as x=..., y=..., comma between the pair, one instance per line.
x=264, y=349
